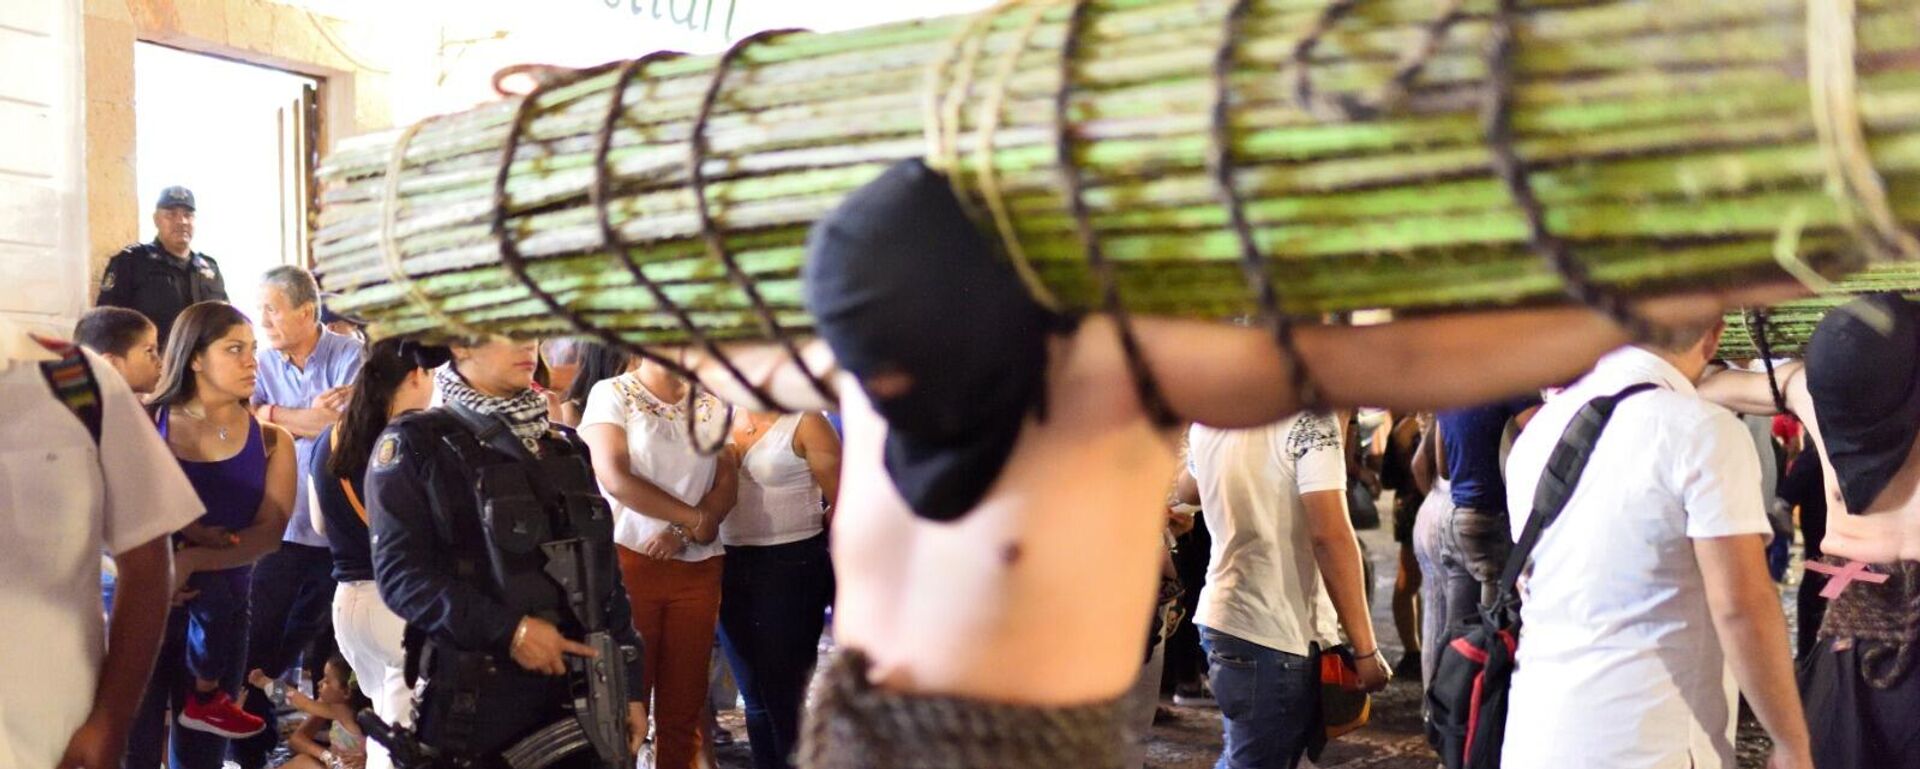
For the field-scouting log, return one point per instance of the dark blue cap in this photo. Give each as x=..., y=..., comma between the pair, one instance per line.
x=175, y=197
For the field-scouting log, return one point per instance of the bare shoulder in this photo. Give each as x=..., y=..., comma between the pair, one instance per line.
x=275, y=437
x=1088, y=373
x=815, y=433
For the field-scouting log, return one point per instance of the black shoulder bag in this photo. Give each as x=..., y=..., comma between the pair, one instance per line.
x=1467, y=699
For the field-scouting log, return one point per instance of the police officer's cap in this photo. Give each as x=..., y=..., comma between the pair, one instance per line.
x=175, y=197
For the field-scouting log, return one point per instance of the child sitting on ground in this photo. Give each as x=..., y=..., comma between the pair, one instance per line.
x=333, y=712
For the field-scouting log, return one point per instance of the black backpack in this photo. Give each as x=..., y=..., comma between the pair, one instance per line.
x=1467, y=699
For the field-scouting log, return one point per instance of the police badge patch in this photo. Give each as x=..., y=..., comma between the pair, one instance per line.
x=387, y=453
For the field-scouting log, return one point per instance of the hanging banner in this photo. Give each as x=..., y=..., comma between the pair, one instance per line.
x=702, y=17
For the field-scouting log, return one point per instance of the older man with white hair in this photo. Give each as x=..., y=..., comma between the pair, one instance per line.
x=306, y=374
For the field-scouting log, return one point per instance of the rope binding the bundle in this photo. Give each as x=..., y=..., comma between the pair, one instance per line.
x=715, y=240
x=979, y=77
x=600, y=193
x=1757, y=329
x=516, y=264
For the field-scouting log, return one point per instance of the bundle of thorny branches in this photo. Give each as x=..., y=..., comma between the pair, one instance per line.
x=1416, y=155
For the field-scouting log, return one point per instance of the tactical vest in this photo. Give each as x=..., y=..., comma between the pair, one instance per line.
x=526, y=504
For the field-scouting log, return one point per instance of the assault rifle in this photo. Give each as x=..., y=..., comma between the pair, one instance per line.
x=600, y=685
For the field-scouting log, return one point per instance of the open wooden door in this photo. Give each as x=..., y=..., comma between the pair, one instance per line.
x=299, y=153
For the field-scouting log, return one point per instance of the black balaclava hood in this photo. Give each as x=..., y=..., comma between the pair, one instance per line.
x=899, y=281
x=1866, y=393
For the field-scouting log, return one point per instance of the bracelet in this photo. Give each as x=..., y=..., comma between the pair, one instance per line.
x=519, y=634
x=1374, y=653
x=681, y=532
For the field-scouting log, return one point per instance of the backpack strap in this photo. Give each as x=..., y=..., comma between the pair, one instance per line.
x=73, y=384
x=1557, y=483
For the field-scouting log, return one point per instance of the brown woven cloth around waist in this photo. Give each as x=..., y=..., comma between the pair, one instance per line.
x=853, y=725
x=1882, y=622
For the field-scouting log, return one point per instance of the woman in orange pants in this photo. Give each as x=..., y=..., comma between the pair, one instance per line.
x=670, y=501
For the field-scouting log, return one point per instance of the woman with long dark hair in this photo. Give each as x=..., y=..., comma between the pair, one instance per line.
x=395, y=378
x=243, y=471
x=596, y=363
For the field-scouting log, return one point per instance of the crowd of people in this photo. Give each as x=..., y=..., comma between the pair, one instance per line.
x=277, y=579
x=456, y=538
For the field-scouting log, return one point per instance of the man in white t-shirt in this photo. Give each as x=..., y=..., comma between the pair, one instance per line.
x=1284, y=578
x=1648, y=598
x=66, y=693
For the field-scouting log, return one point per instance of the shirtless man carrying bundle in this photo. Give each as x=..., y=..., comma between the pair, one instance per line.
x=1003, y=489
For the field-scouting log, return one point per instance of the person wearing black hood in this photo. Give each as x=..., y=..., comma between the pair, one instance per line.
x=1859, y=396
x=1003, y=486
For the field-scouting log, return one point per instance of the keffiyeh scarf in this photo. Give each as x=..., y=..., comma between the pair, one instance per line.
x=525, y=413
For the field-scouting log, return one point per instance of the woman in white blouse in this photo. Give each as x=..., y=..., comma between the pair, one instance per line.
x=669, y=502
x=778, y=581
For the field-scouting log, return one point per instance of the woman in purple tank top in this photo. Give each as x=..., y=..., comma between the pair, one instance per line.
x=244, y=473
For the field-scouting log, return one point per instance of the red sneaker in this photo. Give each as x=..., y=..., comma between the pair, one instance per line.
x=217, y=714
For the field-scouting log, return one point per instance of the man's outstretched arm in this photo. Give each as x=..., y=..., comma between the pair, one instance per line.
x=769, y=367
x=1235, y=376
x=1748, y=392
x=1232, y=376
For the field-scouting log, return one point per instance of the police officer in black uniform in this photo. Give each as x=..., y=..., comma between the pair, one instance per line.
x=490, y=538
x=165, y=276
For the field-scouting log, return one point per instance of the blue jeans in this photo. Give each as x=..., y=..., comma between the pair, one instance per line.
x=217, y=624
x=1269, y=701
x=292, y=597
x=773, y=603
x=152, y=733
x=1474, y=547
